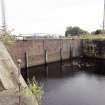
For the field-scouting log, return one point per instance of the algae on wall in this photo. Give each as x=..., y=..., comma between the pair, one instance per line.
x=94, y=48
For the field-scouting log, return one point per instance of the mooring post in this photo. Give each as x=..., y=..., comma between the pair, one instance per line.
x=26, y=66
x=46, y=61
x=61, y=60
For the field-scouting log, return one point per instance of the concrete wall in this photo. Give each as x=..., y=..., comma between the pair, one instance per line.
x=36, y=50
x=8, y=71
x=94, y=48
x=1, y=86
x=9, y=79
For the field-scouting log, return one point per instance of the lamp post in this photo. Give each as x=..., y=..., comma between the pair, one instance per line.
x=104, y=19
x=3, y=17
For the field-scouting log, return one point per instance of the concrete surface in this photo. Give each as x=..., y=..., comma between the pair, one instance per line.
x=36, y=50
x=9, y=79
x=10, y=97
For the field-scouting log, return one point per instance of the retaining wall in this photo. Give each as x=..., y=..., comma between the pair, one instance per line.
x=94, y=48
x=10, y=79
x=36, y=50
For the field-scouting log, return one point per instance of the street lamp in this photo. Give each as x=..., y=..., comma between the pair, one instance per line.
x=104, y=19
x=3, y=17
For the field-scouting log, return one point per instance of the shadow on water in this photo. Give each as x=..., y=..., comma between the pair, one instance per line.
x=67, y=69
x=55, y=70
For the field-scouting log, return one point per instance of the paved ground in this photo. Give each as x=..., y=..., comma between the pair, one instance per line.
x=10, y=97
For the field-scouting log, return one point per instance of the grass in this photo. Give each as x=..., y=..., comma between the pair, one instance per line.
x=93, y=37
x=33, y=89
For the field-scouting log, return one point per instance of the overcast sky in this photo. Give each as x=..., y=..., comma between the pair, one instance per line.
x=53, y=16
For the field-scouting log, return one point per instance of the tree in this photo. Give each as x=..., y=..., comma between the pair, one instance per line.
x=74, y=31
x=97, y=32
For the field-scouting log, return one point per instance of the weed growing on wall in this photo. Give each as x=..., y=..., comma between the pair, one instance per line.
x=33, y=89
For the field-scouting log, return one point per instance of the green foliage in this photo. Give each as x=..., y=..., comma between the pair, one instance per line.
x=33, y=89
x=8, y=38
x=93, y=37
x=97, y=32
x=74, y=31
x=36, y=90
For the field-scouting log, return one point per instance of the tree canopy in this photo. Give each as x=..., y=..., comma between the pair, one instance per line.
x=75, y=31
x=97, y=32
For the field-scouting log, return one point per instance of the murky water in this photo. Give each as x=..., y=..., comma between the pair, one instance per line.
x=77, y=89
x=72, y=87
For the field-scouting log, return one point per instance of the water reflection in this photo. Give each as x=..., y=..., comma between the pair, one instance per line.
x=80, y=89
x=76, y=85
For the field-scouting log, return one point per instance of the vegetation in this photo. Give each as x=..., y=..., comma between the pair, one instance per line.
x=8, y=38
x=93, y=37
x=33, y=89
x=97, y=32
x=75, y=31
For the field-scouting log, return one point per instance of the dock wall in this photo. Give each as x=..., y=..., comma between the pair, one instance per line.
x=35, y=50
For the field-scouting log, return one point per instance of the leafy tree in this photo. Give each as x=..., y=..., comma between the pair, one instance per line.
x=97, y=32
x=74, y=31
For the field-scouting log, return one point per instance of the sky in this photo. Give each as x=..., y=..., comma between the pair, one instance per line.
x=53, y=16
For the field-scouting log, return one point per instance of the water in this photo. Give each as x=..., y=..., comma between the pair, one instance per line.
x=72, y=87
x=77, y=89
